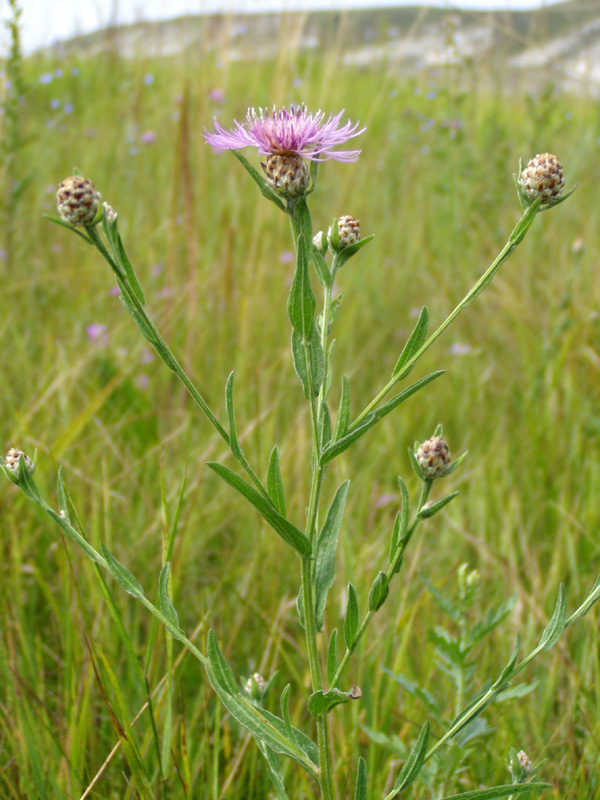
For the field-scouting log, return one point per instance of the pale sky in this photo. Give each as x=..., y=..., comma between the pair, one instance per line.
x=45, y=21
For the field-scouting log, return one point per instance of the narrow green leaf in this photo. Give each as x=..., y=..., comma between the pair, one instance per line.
x=400, y=523
x=415, y=341
x=139, y=320
x=431, y=508
x=324, y=568
x=299, y=359
x=380, y=589
x=221, y=669
x=589, y=601
x=352, y=249
x=360, y=792
x=326, y=436
x=332, y=656
x=300, y=607
x=414, y=762
x=321, y=702
x=164, y=601
x=121, y=574
x=351, y=619
x=301, y=301
x=556, y=626
x=508, y=669
x=374, y=417
x=317, y=361
x=288, y=532
x=63, y=504
x=233, y=439
x=275, y=483
x=499, y=791
x=260, y=181
x=343, y=416
x=284, y=704
x=321, y=268
x=125, y=263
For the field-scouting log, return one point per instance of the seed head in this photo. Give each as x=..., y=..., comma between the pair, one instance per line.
x=542, y=177
x=78, y=200
x=348, y=231
x=11, y=462
x=288, y=174
x=433, y=456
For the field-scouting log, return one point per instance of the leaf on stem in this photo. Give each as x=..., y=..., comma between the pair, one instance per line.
x=360, y=792
x=288, y=532
x=413, y=764
x=265, y=189
x=321, y=702
x=351, y=618
x=589, y=601
x=499, y=791
x=337, y=447
x=121, y=574
x=556, y=626
x=63, y=504
x=508, y=669
x=301, y=301
x=125, y=263
x=233, y=439
x=164, y=601
x=220, y=667
x=325, y=552
x=351, y=249
x=380, y=589
x=433, y=506
x=321, y=268
x=414, y=343
x=343, y=415
x=317, y=360
x=332, y=656
x=275, y=484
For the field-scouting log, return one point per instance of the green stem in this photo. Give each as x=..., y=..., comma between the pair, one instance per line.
x=514, y=240
x=392, y=569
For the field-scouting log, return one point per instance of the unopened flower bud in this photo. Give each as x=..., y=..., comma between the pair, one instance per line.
x=255, y=686
x=348, y=231
x=525, y=762
x=111, y=214
x=320, y=242
x=288, y=174
x=11, y=462
x=542, y=177
x=78, y=200
x=433, y=457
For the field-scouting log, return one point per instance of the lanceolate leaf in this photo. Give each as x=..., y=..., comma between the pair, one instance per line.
x=343, y=416
x=499, y=791
x=121, y=574
x=557, y=623
x=221, y=669
x=332, y=656
x=274, y=482
x=301, y=302
x=164, y=601
x=414, y=343
x=414, y=762
x=321, y=702
x=301, y=363
x=360, y=793
x=233, y=439
x=265, y=189
x=335, y=448
x=326, y=551
x=351, y=619
x=285, y=529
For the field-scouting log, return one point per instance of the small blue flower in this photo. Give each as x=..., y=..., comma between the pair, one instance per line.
x=46, y=77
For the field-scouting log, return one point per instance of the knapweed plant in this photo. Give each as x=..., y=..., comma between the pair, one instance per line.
x=293, y=143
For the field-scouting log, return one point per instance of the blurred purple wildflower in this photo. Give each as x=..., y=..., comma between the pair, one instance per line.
x=148, y=137
x=68, y=108
x=46, y=77
x=54, y=104
x=149, y=79
x=96, y=332
x=114, y=291
x=293, y=132
x=286, y=257
x=460, y=349
x=217, y=95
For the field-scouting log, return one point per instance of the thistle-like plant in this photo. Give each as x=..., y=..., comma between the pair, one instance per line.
x=293, y=142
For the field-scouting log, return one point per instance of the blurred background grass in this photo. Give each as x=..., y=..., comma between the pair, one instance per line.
x=434, y=183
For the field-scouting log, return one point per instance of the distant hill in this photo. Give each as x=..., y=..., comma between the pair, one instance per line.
x=560, y=42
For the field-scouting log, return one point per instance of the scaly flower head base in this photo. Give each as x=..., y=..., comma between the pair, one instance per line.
x=293, y=132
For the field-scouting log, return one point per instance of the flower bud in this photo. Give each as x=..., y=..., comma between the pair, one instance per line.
x=348, y=231
x=542, y=177
x=78, y=201
x=111, y=214
x=320, y=242
x=255, y=686
x=525, y=762
x=433, y=457
x=287, y=174
x=11, y=462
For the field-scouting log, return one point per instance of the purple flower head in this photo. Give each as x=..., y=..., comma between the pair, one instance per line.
x=293, y=132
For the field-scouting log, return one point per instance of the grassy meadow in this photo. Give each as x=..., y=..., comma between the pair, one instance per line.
x=521, y=394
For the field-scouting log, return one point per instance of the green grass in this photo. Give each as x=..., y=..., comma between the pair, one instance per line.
x=434, y=183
